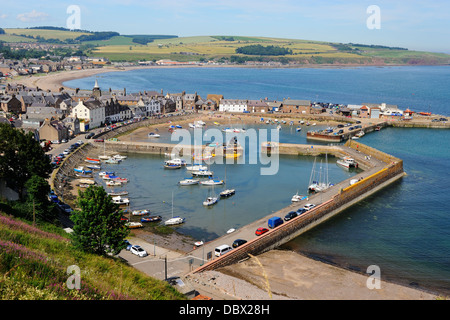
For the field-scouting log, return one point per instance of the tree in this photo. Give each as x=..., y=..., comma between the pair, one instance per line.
x=21, y=156
x=37, y=191
x=98, y=227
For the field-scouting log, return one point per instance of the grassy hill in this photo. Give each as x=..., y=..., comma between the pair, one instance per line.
x=223, y=48
x=34, y=262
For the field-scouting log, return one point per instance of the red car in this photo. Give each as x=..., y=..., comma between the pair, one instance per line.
x=99, y=140
x=260, y=231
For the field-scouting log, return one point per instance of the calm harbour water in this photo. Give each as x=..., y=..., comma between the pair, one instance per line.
x=404, y=229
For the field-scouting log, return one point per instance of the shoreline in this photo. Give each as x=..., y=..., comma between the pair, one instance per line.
x=54, y=81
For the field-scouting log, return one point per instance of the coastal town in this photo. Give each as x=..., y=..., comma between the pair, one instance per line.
x=59, y=115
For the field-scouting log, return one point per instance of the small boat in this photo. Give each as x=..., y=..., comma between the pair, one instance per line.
x=84, y=175
x=106, y=173
x=210, y=201
x=178, y=126
x=174, y=221
x=83, y=185
x=202, y=173
x=198, y=243
x=118, y=193
x=298, y=197
x=112, y=183
x=191, y=125
x=211, y=182
x=188, y=182
x=92, y=160
x=298, y=129
x=140, y=212
x=347, y=162
x=87, y=181
x=104, y=157
x=378, y=128
x=81, y=169
x=119, y=200
x=121, y=180
x=180, y=162
x=172, y=166
x=353, y=181
x=151, y=219
x=113, y=161
x=119, y=157
x=227, y=193
x=153, y=135
x=134, y=225
x=109, y=177
x=231, y=230
x=93, y=167
x=196, y=168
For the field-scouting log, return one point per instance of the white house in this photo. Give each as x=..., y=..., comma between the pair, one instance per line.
x=91, y=111
x=153, y=107
x=233, y=105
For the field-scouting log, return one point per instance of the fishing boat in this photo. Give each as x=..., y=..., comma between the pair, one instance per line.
x=140, y=212
x=188, y=182
x=153, y=135
x=174, y=220
x=119, y=200
x=150, y=218
x=134, y=225
x=347, y=162
x=211, y=182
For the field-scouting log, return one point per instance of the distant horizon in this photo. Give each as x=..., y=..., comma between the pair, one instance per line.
x=416, y=25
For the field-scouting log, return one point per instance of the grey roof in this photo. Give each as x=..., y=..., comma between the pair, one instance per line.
x=292, y=102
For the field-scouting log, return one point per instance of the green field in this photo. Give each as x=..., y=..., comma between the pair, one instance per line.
x=46, y=34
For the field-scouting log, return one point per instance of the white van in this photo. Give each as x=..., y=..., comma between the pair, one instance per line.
x=220, y=250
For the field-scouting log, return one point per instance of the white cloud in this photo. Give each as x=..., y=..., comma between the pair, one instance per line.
x=3, y=16
x=32, y=16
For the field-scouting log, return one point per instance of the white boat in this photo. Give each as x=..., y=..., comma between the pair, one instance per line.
x=106, y=173
x=353, y=181
x=134, y=225
x=347, y=162
x=177, y=161
x=202, y=173
x=87, y=181
x=172, y=166
x=231, y=230
x=113, y=161
x=196, y=168
x=117, y=193
x=94, y=167
x=191, y=125
x=320, y=184
x=104, y=157
x=119, y=157
x=298, y=129
x=298, y=197
x=211, y=182
x=120, y=200
x=174, y=220
x=113, y=183
x=198, y=243
x=81, y=169
x=200, y=123
x=210, y=201
x=188, y=182
x=153, y=135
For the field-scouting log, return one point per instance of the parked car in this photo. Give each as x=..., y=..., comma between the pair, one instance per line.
x=238, y=242
x=274, y=222
x=261, y=231
x=63, y=141
x=309, y=206
x=80, y=142
x=301, y=211
x=138, y=250
x=99, y=140
x=290, y=215
x=55, y=141
x=221, y=250
x=89, y=135
x=66, y=207
x=129, y=245
x=66, y=152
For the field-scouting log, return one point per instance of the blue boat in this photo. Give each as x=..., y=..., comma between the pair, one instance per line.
x=82, y=170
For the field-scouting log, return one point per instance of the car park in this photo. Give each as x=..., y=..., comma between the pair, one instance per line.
x=138, y=250
x=290, y=216
x=261, y=231
x=238, y=242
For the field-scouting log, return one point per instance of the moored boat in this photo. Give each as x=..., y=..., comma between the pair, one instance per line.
x=174, y=221
x=210, y=201
x=347, y=162
x=118, y=193
x=120, y=200
x=153, y=135
x=227, y=193
x=140, y=212
x=211, y=182
x=134, y=225
x=188, y=182
x=151, y=219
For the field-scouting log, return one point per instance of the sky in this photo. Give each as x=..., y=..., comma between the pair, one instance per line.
x=414, y=24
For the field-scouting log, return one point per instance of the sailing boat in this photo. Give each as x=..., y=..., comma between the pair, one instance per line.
x=227, y=192
x=312, y=179
x=174, y=220
x=211, y=199
x=318, y=186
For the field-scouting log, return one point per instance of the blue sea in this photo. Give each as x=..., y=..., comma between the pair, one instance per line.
x=404, y=229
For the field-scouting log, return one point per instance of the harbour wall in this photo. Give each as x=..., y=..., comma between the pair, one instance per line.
x=343, y=199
